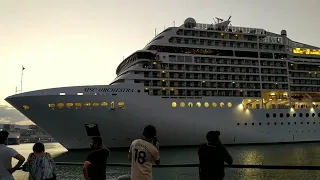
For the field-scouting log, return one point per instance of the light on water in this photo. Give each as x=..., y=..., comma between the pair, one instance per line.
x=289, y=154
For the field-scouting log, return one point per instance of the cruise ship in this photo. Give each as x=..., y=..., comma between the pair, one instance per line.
x=252, y=85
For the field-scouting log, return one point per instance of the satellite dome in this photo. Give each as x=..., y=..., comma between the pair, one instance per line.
x=283, y=32
x=190, y=23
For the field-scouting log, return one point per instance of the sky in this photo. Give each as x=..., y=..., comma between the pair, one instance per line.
x=81, y=42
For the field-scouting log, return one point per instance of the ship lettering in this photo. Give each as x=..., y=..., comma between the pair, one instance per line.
x=115, y=90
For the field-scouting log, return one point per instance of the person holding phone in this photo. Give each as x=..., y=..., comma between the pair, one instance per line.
x=143, y=153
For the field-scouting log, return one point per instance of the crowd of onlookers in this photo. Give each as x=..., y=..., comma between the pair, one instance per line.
x=143, y=154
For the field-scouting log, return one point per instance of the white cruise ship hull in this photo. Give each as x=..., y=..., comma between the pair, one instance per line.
x=176, y=126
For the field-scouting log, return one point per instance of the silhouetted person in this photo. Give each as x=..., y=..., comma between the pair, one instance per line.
x=6, y=155
x=212, y=156
x=143, y=153
x=95, y=166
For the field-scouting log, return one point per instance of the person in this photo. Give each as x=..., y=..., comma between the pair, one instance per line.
x=95, y=165
x=6, y=155
x=212, y=156
x=143, y=153
x=39, y=164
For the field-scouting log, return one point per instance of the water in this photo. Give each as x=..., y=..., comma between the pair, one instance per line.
x=289, y=154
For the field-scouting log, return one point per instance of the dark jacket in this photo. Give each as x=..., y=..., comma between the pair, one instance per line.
x=212, y=158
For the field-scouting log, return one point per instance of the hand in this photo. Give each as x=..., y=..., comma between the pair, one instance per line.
x=11, y=170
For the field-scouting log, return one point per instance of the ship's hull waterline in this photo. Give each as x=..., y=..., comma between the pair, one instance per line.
x=176, y=126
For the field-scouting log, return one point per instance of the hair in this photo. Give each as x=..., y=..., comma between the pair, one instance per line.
x=213, y=136
x=149, y=131
x=3, y=136
x=97, y=140
x=38, y=147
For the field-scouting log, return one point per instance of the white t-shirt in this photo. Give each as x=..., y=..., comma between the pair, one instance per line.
x=6, y=155
x=143, y=155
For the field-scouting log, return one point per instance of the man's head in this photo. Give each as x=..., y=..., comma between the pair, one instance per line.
x=213, y=136
x=3, y=137
x=96, y=142
x=149, y=132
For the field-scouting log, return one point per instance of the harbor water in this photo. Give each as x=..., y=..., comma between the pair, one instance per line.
x=283, y=154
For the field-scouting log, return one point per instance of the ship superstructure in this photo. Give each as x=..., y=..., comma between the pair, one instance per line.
x=252, y=85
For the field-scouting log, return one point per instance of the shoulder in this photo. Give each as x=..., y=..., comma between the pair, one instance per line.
x=11, y=151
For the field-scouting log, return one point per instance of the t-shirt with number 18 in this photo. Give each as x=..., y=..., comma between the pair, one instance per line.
x=143, y=155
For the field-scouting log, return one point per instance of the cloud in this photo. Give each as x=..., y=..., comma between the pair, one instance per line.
x=9, y=115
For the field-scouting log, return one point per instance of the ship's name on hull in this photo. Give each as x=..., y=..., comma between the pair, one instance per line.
x=115, y=90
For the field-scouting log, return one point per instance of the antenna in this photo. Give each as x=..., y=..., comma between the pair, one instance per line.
x=174, y=24
x=16, y=90
x=155, y=32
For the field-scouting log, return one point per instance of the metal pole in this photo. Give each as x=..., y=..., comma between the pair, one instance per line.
x=21, y=78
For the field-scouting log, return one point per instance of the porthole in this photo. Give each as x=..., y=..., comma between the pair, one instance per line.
x=252, y=124
x=274, y=115
x=260, y=124
x=26, y=107
x=281, y=115
x=313, y=114
x=95, y=104
x=174, y=104
x=229, y=104
x=294, y=114
x=198, y=104
x=288, y=115
x=104, y=104
x=319, y=114
x=214, y=104
x=60, y=105
x=307, y=114
x=295, y=122
x=268, y=123
x=314, y=122
x=275, y=123
x=206, y=104
x=267, y=115
x=245, y=124
x=300, y=114
x=78, y=104
x=288, y=123
x=301, y=122
x=182, y=104
x=307, y=122
x=87, y=104
x=238, y=124
x=222, y=104
x=52, y=105
x=121, y=104
x=281, y=123
x=190, y=104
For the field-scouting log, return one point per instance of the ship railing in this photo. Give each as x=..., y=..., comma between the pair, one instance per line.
x=73, y=170
x=246, y=30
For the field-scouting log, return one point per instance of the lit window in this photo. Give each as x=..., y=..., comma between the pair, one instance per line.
x=229, y=104
x=222, y=104
x=190, y=104
x=79, y=94
x=182, y=104
x=206, y=104
x=60, y=105
x=87, y=104
x=52, y=105
x=25, y=107
x=198, y=104
x=69, y=105
x=112, y=105
x=121, y=104
x=104, y=104
x=62, y=94
x=78, y=104
x=214, y=104
x=95, y=104
x=174, y=104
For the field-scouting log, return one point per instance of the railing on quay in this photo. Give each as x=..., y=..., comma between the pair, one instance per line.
x=246, y=166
